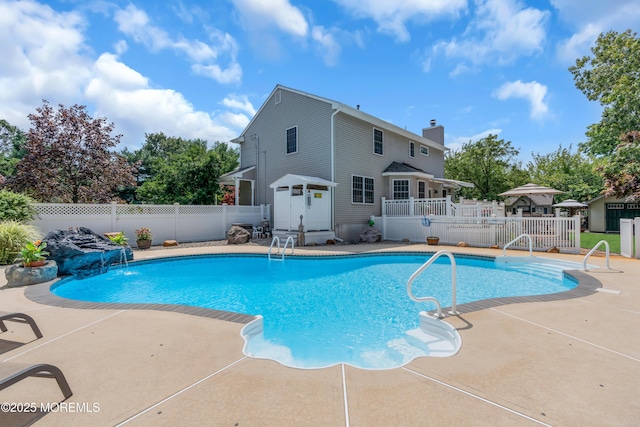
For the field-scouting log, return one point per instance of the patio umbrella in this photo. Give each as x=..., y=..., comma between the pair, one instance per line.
x=529, y=190
x=570, y=204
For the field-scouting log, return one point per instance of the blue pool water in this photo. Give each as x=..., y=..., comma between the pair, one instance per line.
x=317, y=311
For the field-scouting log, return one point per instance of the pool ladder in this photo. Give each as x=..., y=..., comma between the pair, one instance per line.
x=454, y=310
x=606, y=246
x=275, y=240
x=504, y=249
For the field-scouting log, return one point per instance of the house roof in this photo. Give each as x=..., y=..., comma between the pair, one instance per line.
x=536, y=199
x=237, y=173
x=530, y=189
x=292, y=179
x=354, y=112
x=400, y=168
x=230, y=178
x=397, y=168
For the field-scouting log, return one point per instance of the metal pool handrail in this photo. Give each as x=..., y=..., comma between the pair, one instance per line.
x=504, y=248
x=276, y=239
x=586, y=257
x=432, y=299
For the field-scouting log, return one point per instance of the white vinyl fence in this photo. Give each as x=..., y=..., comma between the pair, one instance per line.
x=627, y=236
x=546, y=232
x=183, y=223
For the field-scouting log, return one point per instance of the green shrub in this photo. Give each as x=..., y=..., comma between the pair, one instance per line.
x=119, y=239
x=13, y=237
x=16, y=207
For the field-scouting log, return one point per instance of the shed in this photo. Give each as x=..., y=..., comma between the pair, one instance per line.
x=605, y=213
x=309, y=196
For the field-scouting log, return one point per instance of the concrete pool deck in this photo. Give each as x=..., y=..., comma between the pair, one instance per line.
x=572, y=362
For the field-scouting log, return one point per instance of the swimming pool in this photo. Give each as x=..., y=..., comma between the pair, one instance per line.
x=317, y=311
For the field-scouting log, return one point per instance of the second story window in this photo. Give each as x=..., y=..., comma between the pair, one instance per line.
x=412, y=149
x=292, y=140
x=424, y=150
x=377, y=141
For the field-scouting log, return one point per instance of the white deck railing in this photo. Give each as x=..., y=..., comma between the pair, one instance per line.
x=441, y=207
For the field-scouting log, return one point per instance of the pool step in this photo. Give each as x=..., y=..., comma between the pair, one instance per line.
x=435, y=337
x=537, y=269
x=538, y=266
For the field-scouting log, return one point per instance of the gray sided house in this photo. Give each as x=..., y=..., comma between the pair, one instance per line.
x=298, y=133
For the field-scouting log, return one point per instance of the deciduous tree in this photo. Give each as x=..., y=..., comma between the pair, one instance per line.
x=489, y=163
x=12, y=143
x=568, y=171
x=611, y=76
x=70, y=159
x=176, y=170
x=621, y=171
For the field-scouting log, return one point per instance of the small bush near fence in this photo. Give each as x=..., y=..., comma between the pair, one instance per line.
x=16, y=207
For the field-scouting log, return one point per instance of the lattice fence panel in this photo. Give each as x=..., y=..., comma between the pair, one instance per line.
x=200, y=210
x=145, y=210
x=50, y=209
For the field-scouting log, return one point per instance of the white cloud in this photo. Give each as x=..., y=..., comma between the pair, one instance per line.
x=457, y=142
x=328, y=45
x=265, y=13
x=501, y=31
x=190, y=13
x=239, y=102
x=135, y=23
x=33, y=39
x=533, y=92
x=590, y=18
x=126, y=98
x=392, y=16
x=426, y=65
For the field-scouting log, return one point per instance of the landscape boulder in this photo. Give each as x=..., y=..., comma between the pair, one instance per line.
x=237, y=235
x=17, y=275
x=370, y=235
x=82, y=253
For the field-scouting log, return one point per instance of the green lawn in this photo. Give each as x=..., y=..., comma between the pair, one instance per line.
x=589, y=240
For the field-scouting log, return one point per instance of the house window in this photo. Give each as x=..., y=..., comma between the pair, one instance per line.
x=424, y=150
x=361, y=189
x=377, y=141
x=292, y=140
x=422, y=190
x=400, y=189
x=412, y=149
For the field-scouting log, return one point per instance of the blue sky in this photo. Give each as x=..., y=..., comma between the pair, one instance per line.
x=202, y=69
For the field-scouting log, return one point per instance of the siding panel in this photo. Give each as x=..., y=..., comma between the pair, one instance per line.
x=313, y=158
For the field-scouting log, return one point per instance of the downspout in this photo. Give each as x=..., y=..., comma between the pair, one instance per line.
x=333, y=169
x=258, y=166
